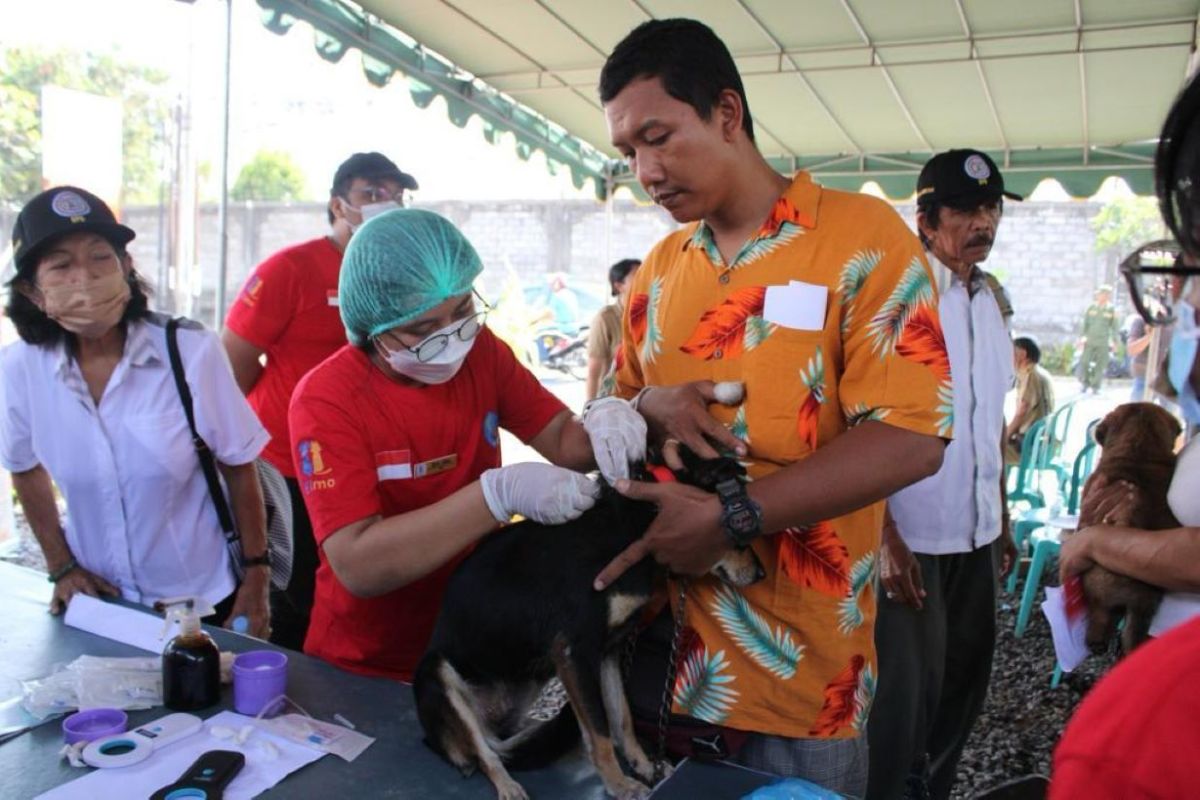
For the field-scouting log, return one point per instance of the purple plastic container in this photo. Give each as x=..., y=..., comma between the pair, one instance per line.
x=259, y=676
x=84, y=726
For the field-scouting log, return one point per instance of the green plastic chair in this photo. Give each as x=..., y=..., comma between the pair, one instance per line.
x=1057, y=430
x=1025, y=487
x=1046, y=542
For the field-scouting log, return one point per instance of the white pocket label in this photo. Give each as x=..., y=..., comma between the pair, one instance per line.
x=799, y=305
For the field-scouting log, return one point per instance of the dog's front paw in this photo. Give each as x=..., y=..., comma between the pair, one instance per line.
x=627, y=788
x=664, y=770
x=510, y=790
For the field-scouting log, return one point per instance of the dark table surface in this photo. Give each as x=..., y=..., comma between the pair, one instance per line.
x=397, y=765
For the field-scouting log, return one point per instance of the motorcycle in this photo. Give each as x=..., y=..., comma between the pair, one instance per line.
x=565, y=353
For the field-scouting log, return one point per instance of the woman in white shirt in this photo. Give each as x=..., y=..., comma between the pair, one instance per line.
x=88, y=402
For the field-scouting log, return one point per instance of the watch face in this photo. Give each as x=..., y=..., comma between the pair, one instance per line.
x=741, y=519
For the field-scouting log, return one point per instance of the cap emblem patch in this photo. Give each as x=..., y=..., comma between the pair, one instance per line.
x=69, y=204
x=977, y=168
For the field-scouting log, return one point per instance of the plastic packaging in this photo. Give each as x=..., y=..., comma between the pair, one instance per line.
x=191, y=663
x=94, y=682
x=285, y=718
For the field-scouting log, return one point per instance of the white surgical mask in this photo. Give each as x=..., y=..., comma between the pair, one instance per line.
x=439, y=369
x=371, y=210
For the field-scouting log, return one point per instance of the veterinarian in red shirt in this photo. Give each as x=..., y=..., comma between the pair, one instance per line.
x=288, y=311
x=395, y=440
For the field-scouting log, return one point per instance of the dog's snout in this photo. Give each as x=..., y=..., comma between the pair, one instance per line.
x=740, y=568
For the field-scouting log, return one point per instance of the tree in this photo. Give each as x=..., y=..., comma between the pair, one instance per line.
x=145, y=106
x=271, y=176
x=1126, y=222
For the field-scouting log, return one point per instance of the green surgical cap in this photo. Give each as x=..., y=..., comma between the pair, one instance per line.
x=398, y=266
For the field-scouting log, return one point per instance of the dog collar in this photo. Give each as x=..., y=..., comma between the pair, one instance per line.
x=661, y=473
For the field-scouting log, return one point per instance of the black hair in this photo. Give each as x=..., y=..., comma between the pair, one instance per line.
x=620, y=271
x=1177, y=168
x=32, y=324
x=931, y=208
x=693, y=64
x=1030, y=346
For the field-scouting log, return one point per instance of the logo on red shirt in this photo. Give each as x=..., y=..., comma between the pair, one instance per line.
x=251, y=290
x=312, y=466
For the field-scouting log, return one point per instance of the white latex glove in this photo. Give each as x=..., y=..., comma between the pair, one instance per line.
x=541, y=492
x=618, y=435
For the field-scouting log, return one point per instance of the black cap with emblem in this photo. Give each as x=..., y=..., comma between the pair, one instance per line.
x=58, y=212
x=961, y=177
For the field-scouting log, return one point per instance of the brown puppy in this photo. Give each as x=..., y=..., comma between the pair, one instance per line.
x=1139, y=448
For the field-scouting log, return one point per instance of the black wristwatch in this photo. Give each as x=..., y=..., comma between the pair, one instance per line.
x=258, y=561
x=741, y=517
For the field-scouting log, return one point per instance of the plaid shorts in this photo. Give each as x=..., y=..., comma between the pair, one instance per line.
x=836, y=764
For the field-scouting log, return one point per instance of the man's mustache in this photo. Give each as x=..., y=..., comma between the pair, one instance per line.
x=982, y=240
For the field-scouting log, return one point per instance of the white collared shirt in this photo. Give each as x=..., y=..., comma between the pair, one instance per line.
x=958, y=509
x=1179, y=607
x=138, y=510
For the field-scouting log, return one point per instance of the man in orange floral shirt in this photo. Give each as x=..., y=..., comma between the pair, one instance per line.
x=820, y=303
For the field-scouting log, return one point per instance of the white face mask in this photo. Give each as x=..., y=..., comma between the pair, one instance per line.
x=439, y=369
x=371, y=210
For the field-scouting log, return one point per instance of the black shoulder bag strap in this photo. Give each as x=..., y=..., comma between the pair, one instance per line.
x=207, y=463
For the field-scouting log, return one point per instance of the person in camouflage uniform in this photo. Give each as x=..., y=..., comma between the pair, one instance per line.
x=1099, y=332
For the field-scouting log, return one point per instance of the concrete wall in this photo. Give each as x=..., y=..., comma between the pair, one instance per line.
x=1045, y=252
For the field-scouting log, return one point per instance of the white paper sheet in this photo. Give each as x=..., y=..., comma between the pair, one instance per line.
x=165, y=766
x=119, y=623
x=1069, y=633
x=799, y=305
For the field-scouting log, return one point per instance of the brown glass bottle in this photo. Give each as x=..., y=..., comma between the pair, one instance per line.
x=191, y=672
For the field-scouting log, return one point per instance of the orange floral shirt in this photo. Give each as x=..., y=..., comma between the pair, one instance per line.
x=794, y=654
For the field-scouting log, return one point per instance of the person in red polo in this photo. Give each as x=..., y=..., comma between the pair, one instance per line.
x=288, y=311
x=396, y=443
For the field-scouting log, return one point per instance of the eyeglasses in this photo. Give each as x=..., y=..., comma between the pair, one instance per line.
x=379, y=194
x=435, y=345
x=1153, y=297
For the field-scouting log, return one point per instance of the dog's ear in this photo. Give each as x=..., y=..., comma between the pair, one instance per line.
x=1101, y=431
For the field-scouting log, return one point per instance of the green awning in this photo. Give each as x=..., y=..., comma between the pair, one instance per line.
x=853, y=90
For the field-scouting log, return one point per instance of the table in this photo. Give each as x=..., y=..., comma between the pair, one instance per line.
x=397, y=765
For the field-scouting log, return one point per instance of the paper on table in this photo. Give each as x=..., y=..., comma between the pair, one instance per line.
x=799, y=305
x=122, y=624
x=165, y=766
x=1069, y=631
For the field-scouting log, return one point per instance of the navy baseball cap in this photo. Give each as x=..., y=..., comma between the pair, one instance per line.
x=59, y=211
x=961, y=176
x=371, y=166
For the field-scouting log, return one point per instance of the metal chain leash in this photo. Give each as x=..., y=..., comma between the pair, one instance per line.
x=664, y=709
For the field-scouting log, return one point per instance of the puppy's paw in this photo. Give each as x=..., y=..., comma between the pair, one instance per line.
x=665, y=771
x=511, y=790
x=627, y=788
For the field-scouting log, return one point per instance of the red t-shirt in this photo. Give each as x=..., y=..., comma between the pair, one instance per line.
x=1136, y=733
x=288, y=308
x=366, y=445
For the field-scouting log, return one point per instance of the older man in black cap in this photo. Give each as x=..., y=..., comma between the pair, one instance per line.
x=944, y=536
x=288, y=311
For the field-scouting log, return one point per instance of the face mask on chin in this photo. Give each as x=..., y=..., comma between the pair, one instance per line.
x=88, y=309
x=369, y=211
x=439, y=369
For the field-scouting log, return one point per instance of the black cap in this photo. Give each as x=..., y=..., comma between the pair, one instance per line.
x=372, y=166
x=59, y=211
x=961, y=176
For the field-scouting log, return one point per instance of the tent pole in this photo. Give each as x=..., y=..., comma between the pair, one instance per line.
x=223, y=209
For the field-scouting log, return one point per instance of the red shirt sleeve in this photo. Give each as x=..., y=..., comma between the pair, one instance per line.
x=333, y=458
x=267, y=302
x=526, y=407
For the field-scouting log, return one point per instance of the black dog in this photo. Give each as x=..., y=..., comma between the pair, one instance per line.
x=520, y=610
